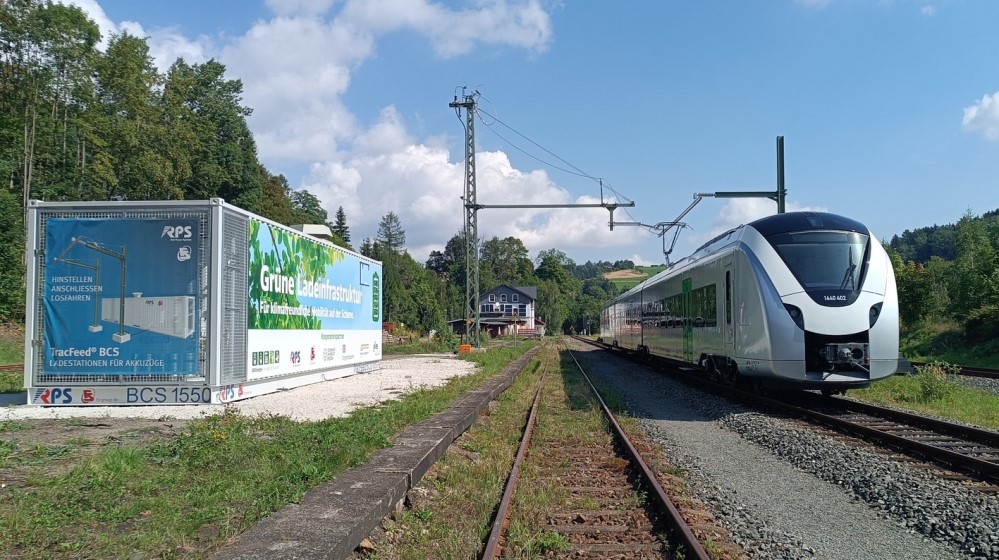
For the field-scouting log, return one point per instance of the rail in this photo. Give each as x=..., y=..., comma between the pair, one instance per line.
x=683, y=537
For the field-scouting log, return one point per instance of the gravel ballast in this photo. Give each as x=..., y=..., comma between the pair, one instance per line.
x=783, y=491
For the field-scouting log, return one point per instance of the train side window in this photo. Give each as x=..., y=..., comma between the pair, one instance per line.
x=728, y=297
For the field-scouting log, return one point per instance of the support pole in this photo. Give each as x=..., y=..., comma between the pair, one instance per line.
x=781, y=191
x=472, y=312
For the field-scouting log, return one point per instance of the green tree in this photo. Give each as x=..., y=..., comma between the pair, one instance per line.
x=221, y=151
x=12, y=255
x=391, y=237
x=130, y=123
x=558, y=287
x=339, y=227
x=974, y=266
x=307, y=208
x=507, y=260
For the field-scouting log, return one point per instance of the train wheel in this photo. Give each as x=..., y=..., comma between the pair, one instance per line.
x=760, y=388
x=708, y=365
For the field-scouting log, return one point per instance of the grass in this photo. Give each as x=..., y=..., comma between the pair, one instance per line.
x=454, y=513
x=945, y=342
x=182, y=497
x=463, y=488
x=931, y=391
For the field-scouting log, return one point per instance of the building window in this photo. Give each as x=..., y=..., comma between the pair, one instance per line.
x=492, y=298
x=515, y=298
x=503, y=298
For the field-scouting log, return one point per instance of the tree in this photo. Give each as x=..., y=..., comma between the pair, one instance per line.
x=391, y=237
x=339, y=227
x=507, y=260
x=222, y=151
x=307, y=208
x=974, y=266
x=11, y=254
x=558, y=287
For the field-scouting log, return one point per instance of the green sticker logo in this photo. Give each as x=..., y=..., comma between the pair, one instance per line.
x=376, y=298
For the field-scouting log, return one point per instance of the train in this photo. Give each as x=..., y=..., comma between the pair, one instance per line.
x=797, y=300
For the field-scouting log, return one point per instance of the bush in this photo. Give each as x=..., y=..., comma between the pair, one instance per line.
x=933, y=383
x=983, y=324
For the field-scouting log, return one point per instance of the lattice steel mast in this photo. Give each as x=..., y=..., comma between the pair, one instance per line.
x=471, y=222
x=472, y=311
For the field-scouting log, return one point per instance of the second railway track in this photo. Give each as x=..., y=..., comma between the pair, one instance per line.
x=590, y=490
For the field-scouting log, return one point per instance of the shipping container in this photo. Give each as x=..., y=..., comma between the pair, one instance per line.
x=188, y=302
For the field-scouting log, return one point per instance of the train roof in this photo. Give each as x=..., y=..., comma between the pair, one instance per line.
x=804, y=221
x=767, y=226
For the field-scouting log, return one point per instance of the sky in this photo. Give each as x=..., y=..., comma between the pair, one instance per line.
x=889, y=110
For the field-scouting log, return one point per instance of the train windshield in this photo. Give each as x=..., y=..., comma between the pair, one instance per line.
x=833, y=261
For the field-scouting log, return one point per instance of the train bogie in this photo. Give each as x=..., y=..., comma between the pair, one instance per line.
x=802, y=300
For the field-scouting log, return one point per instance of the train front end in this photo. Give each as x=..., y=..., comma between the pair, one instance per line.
x=835, y=324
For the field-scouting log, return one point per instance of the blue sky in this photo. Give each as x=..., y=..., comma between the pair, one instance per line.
x=889, y=109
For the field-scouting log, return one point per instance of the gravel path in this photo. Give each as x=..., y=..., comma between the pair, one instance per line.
x=338, y=397
x=786, y=492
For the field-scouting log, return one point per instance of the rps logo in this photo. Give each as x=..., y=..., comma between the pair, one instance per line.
x=230, y=392
x=176, y=233
x=54, y=395
x=295, y=357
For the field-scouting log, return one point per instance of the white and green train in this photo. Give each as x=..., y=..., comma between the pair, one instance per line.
x=797, y=300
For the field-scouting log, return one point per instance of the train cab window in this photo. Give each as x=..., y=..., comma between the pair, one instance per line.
x=825, y=260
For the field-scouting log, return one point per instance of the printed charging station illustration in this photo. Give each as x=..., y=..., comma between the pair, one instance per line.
x=94, y=278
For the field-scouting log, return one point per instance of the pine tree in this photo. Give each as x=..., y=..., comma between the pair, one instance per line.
x=340, y=225
x=391, y=236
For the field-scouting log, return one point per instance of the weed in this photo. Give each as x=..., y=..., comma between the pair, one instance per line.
x=548, y=542
x=13, y=426
x=933, y=384
x=11, y=381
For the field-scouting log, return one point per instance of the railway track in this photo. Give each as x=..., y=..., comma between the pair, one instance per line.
x=973, y=452
x=970, y=371
x=605, y=500
x=968, y=454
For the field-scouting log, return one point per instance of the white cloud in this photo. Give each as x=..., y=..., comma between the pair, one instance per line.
x=96, y=13
x=983, y=117
x=928, y=10
x=522, y=24
x=296, y=67
x=166, y=44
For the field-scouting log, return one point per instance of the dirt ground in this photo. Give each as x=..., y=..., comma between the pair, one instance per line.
x=55, y=445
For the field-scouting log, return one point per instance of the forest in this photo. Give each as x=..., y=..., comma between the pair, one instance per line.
x=79, y=123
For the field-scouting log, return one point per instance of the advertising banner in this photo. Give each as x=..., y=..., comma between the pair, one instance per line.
x=120, y=296
x=311, y=306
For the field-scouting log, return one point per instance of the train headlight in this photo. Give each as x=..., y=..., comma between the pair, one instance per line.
x=874, y=313
x=796, y=316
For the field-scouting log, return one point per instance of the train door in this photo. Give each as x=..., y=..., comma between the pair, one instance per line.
x=688, y=321
x=729, y=323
